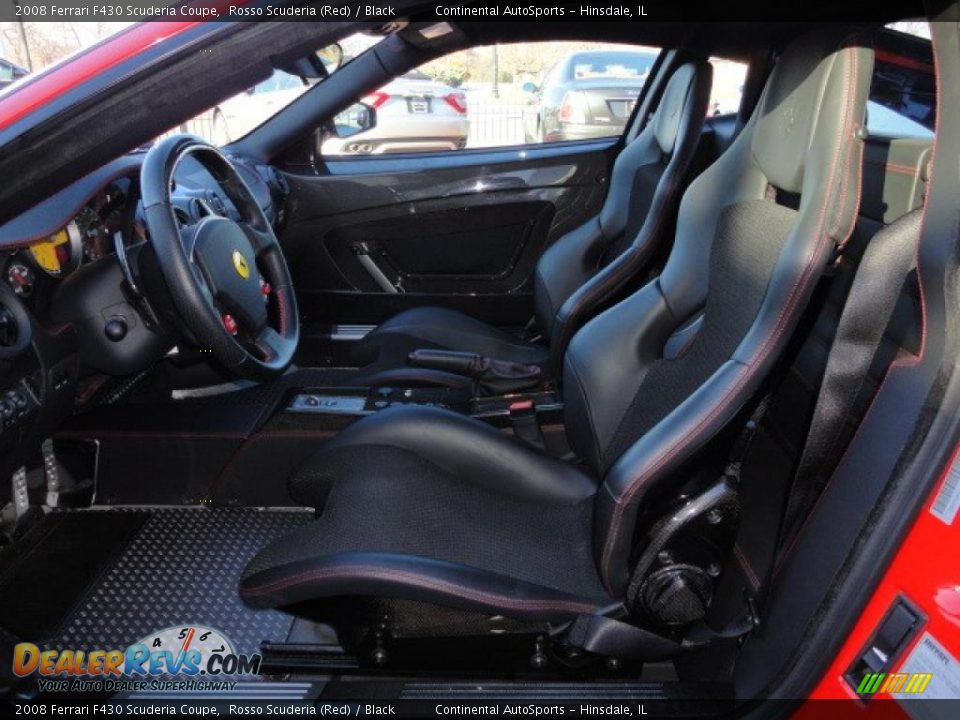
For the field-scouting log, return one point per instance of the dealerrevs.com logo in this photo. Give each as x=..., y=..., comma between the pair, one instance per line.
x=185, y=657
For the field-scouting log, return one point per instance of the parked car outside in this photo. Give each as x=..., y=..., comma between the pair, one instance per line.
x=413, y=114
x=238, y=115
x=588, y=94
x=10, y=72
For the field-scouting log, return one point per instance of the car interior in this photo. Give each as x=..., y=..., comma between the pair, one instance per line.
x=601, y=413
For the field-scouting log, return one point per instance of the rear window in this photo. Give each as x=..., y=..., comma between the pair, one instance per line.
x=903, y=96
x=611, y=65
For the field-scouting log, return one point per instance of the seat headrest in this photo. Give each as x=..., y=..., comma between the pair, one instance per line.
x=666, y=120
x=796, y=96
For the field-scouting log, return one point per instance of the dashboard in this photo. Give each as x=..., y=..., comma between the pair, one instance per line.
x=64, y=288
x=109, y=211
x=34, y=272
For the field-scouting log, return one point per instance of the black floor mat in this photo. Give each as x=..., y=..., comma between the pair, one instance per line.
x=54, y=563
x=181, y=568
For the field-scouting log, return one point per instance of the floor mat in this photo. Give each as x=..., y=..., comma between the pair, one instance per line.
x=181, y=568
x=52, y=566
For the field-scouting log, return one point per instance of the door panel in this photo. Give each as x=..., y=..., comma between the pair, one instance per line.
x=475, y=248
x=369, y=237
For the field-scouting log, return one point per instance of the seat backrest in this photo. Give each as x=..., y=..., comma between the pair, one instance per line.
x=585, y=267
x=651, y=380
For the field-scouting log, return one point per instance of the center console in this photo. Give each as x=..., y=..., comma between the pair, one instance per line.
x=240, y=447
x=364, y=401
x=353, y=403
x=308, y=415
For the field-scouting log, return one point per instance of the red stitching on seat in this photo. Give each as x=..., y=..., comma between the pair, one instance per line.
x=624, y=499
x=893, y=167
x=747, y=568
x=414, y=579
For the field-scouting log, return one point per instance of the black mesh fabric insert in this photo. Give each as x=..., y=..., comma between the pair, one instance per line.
x=750, y=236
x=390, y=500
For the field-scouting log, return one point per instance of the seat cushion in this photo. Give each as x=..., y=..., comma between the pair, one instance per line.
x=438, y=328
x=398, y=524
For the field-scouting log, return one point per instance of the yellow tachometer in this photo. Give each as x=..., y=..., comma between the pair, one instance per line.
x=52, y=254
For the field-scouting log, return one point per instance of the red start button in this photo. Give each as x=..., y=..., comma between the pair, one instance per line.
x=230, y=324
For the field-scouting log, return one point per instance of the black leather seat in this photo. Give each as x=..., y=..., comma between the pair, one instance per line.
x=585, y=267
x=426, y=505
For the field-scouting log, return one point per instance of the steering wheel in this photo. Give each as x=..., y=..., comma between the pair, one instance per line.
x=228, y=280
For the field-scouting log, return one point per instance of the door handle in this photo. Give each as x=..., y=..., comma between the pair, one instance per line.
x=362, y=251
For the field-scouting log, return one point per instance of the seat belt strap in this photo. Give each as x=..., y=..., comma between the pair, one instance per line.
x=888, y=260
x=866, y=314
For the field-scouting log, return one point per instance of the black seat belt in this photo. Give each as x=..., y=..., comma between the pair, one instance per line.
x=887, y=262
x=869, y=307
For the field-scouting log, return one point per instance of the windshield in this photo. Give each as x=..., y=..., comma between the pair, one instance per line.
x=234, y=117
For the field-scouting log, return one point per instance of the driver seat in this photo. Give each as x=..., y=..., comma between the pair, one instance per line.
x=583, y=269
x=422, y=504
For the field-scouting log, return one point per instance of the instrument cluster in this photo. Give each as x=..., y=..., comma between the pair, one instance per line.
x=109, y=216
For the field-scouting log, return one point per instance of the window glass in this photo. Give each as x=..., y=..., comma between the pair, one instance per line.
x=727, y=90
x=499, y=96
x=234, y=117
x=903, y=92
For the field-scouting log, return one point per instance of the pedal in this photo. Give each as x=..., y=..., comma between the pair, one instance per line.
x=51, y=473
x=63, y=490
x=21, y=497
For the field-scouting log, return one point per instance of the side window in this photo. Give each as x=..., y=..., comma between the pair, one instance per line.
x=501, y=96
x=728, y=79
x=903, y=92
x=269, y=85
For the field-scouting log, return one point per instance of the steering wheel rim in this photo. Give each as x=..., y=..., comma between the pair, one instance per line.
x=228, y=280
x=13, y=313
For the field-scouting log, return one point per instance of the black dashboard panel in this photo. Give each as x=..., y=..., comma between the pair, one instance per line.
x=71, y=287
x=45, y=218
x=44, y=381
x=54, y=213
x=106, y=202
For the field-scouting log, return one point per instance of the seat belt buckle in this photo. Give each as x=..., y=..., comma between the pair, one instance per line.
x=523, y=418
x=520, y=408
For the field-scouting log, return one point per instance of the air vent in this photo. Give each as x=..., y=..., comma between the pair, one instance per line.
x=8, y=328
x=216, y=204
x=15, y=332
